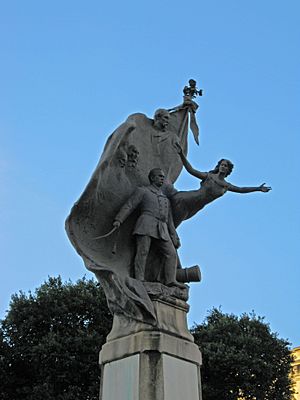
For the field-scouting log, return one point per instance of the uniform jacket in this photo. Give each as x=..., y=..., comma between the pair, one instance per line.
x=155, y=217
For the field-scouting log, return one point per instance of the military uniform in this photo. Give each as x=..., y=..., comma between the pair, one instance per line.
x=155, y=224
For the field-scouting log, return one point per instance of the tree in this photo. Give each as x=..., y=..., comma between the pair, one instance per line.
x=242, y=359
x=50, y=340
x=49, y=344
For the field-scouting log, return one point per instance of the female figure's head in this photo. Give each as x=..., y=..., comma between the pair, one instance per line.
x=224, y=166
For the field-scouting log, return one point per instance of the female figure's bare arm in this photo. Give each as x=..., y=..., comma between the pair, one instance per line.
x=237, y=189
x=187, y=165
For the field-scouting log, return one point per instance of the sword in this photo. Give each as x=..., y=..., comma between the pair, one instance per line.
x=106, y=234
x=114, y=249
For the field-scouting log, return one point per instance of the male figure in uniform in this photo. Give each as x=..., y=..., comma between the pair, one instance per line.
x=154, y=225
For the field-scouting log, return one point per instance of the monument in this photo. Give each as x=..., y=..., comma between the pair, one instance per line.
x=124, y=228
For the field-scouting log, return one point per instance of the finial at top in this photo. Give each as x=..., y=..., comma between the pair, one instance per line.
x=192, y=91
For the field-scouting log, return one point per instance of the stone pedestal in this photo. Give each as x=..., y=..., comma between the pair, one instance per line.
x=151, y=363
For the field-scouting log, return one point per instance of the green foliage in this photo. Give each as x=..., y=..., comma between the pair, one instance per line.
x=242, y=359
x=50, y=340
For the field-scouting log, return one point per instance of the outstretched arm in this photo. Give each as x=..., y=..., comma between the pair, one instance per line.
x=187, y=165
x=130, y=205
x=237, y=189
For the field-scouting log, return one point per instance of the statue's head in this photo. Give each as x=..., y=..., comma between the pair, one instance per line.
x=156, y=176
x=133, y=154
x=192, y=83
x=161, y=119
x=224, y=166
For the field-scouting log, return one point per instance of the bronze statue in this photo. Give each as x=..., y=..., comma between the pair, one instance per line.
x=185, y=204
x=137, y=259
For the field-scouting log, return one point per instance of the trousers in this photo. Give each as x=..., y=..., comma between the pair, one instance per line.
x=167, y=250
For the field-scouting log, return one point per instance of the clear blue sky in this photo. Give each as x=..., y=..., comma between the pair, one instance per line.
x=72, y=71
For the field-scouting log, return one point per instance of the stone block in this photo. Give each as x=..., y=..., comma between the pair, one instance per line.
x=150, y=365
x=171, y=319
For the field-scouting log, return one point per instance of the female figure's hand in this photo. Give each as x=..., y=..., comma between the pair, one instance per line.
x=177, y=147
x=264, y=188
